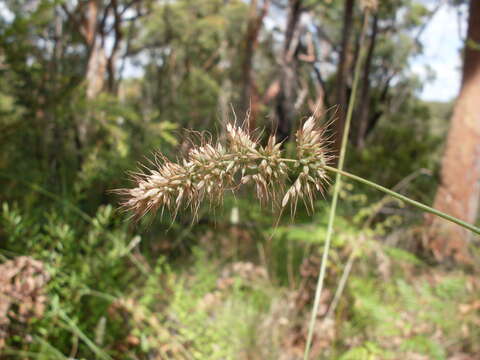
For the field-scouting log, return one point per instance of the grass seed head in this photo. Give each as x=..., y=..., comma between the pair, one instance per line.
x=210, y=169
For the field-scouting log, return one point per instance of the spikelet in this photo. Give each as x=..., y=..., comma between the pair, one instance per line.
x=163, y=187
x=312, y=156
x=240, y=141
x=270, y=172
x=210, y=171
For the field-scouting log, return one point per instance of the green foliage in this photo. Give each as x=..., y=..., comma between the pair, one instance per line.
x=411, y=146
x=407, y=316
x=236, y=312
x=401, y=255
x=369, y=351
x=83, y=264
x=197, y=52
x=424, y=345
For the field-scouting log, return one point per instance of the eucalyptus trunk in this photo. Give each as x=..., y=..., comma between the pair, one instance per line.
x=459, y=190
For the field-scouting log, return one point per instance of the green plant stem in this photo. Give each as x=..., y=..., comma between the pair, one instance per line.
x=336, y=190
x=405, y=199
x=396, y=195
x=72, y=326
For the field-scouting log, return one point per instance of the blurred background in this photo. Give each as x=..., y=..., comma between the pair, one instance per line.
x=91, y=88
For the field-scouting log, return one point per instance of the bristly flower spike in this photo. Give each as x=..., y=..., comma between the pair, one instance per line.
x=210, y=169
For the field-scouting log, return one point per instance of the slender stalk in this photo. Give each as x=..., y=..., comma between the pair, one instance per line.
x=336, y=190
x=405, y=199
x=396, y=195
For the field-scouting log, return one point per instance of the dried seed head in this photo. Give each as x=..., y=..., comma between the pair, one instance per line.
x=209, y=170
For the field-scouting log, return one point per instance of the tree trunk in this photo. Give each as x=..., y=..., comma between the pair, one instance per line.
x=285, y=106
x=111, y=61
x=96, y=63
x=364, y=111
x=250, y=100
x=342, y=74
x=459, y=190
x=96, y=69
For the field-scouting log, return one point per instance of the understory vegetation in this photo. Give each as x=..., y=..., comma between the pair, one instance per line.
x=223, y=291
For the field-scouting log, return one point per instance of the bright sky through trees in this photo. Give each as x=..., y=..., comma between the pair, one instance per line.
x=442, y=40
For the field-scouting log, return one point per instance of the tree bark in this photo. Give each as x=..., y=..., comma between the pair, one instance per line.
x=459, y=190
x=285, y=106
x=97, y=62
x=111, y=61
x=342, y=74
x=86, y=18
x=364, y=111
x=96, y=69
x=250, y=101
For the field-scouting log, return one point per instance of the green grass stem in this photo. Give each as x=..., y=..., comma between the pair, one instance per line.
x=336, y=191
x=405, y=199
